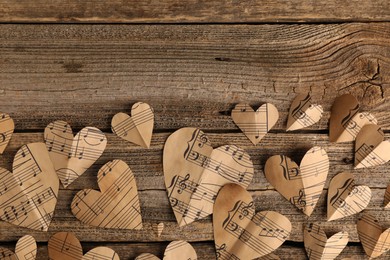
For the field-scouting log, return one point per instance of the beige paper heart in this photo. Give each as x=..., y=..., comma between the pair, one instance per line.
x=255, y=124
x=239, y=232
x=302, y=185
x=194, y=172
x=370, y=149
x=345, y=119
x=318, y=246
x=374, y=239
x=159, y=228
x=174, y=251
x=303, y=113
x=387, y=197
x=345, y=198
x=72, y=156
x=116, y=205
x=26, y=249
x=28, y=195
x=101, y=253
x=7, y=128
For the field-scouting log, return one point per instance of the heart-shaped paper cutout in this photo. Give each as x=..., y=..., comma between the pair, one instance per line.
x=175, y=250
x=101, y=253
x=303, y=113
x=26, y=249
x=345, y=198
x=138, y=127
x=318, y=246
x=345, y=119
x=159, y=228
x=387, y=197
x=370, y=149
x=302, y=185
x=194, y=172
x=239, y=232
x=72, y=156
x=255, y=124
x=116, y=205
x=29, y=195
x=374, y=239
x=7, y=128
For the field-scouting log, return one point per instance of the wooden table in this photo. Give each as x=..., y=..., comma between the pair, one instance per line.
x=84, y=61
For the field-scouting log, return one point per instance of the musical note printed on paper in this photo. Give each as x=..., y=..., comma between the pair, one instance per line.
x=72, y=156
x=387, y=197
x=318, y=246
x=345, y=119
x=64, y=246
x=255, y=124
x=345, y=198
x=175, y=250
x=7, y=128
x=26, y=249
x=194, y=172
x=374, y=239
x=138, y=127
x=239, y=232
x=302, y=185
x=28, y=195
x=101, y=253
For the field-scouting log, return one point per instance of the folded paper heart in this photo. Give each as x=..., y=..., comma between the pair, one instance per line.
x=26, y=249
x=239, y=232
x=345, y=198
x=255, y=124
x=116, y=205
x=374, y=239
x=174, y=251
x=7, y=128
x=136, y=128
x=370, y=148
x=387, y=197
x=72, y=156
x=318, y=246
x=159, y=228
x=194, y=172
x=28, y=195
x=345, y=119
x=303, y=113
x=302, y=185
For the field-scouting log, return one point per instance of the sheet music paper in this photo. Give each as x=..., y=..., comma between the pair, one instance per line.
x=7, y=128
x=176, y=250
x=387, y=197
x=101, y=253
x=239, y=232
x=72, y=156
x=26, y=249
x=345, y=119
x=136, y=128
x=28, y=195
x=302, y=185
x=147, y=256
x=318, y=246
x=64, y=246
x=194, y=172
x=345, y=198
x=255, y=124
x=116, y=205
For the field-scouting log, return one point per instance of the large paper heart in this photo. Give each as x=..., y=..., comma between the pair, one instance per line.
x=174, y=251
x=72, y=156
x=26, y=249
x=136, y=128
x=239, y=232
x=370, y=149
x=318, y=246
x=117, y=203
x=28, y=196
x=345, y=119
x=374, y=239
x=255, y=124
x=302, y=185
x=7, y=128
x=345, y=198
x=387, y=197
x=194, y=172
x=101, y=253
x=303, y=113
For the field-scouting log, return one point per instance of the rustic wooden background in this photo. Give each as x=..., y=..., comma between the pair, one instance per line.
x=84, y=61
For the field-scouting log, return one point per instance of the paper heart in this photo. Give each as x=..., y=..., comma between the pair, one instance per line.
x=7, y=128
x=194, y=172
x=387, y=197
x=302, y=185
x=374, y=239
x=345, y=198
x=370, y=149
x=28, y=195
x=318, y=246
x=159, y=228
x=303, y=113
x=72, y=156
x=239, y=232
x=136, y=128
x=116, y=205
x=345, y=119
x=175, y=250
x=101, y=253
x=26, y=249
x=255, y=124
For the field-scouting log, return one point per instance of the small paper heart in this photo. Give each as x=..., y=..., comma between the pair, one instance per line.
x=7, y=128
x=26, y=249
x=159, y=228
x=175, y=250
